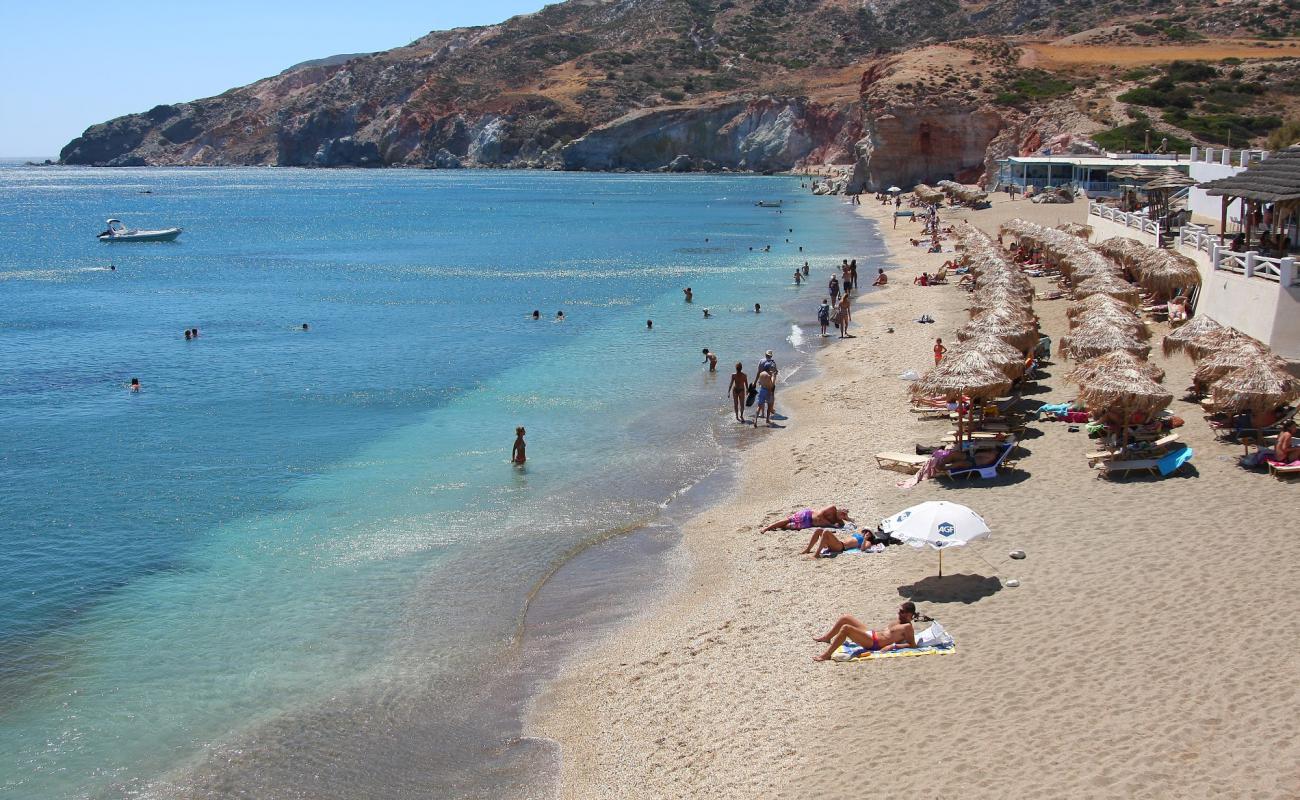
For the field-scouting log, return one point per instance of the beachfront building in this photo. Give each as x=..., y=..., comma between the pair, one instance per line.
x=1248, y=254
x=1092, y=174
x=1210, y=164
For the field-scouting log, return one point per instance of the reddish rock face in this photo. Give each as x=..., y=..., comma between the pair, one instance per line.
x=904, y=146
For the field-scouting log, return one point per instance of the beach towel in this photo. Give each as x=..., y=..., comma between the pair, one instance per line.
x=851, y=652
x=1172, y=461
x=878, y=547
x=1277, y=463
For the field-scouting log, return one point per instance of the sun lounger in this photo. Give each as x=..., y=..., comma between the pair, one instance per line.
x=1156, y=448
x=990, y=471
x=1279, y=470
x=1166, y=464
x=902, y=462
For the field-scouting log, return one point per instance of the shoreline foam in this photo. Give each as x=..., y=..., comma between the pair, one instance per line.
x=1101, y=675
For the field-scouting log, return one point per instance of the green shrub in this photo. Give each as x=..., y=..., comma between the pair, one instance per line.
x=1132, y=136
x=1238, y=129
x=1285, y=136
x=1143, y=29
x=1190, y=71
x=1138, y=74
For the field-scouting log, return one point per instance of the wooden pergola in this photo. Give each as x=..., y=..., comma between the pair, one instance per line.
x=1274, y=181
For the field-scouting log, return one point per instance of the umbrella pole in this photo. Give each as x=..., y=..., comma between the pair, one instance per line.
x=940, y=563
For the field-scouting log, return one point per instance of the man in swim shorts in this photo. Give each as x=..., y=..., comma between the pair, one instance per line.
x=897, y=635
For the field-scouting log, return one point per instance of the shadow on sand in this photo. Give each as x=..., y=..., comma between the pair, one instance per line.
x=951, y=589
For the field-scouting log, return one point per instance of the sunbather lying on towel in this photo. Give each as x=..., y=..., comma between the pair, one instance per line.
x=823, y=539
x=896, y=635
x=828, y=517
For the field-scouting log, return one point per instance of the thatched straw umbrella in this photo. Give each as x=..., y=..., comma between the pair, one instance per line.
x=1258, y=386
x=1243, y=353
x=1076, y=229
x=1002, y=355
x=1201, y=346
x=1126, y=321
x=1165, y=273
x=1100, y=305
x=1090, y=341
x=1127, y=388
x=1016, y=329
x=1086, y=371
x=1120, y=248
x=968, y=373
x=1197, y=327
x=1107, y=285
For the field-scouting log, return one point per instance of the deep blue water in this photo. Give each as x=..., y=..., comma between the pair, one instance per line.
x=283, y=519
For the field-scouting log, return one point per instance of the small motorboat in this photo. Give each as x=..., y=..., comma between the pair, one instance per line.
x=117, y=232
x=768, y=204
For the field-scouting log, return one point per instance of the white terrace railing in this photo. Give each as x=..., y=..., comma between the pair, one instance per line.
x=1137, y=221
x=1252, y=265
x=1197, y=237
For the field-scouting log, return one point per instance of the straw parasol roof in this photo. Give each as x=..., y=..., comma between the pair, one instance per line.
x=1076, y=229
x=1276, y=179
x=1199, y=347
x=1110, y=285
x=968, y=373
x=1198, y=326
x=1170, y=181
x=1118, y=360
x=1100, y=305
x=1015, y=328
x=1005, y=357
x=1242, y=352
x=1090, y=341
x=1124, y=387
x=1255, y=387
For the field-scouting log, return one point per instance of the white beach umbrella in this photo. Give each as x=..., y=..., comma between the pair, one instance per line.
x=894, y=189
x=937, y=524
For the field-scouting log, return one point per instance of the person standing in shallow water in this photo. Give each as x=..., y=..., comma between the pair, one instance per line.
x=690, y=296
x=739, y=388
x=517, y=455
x=711, y=359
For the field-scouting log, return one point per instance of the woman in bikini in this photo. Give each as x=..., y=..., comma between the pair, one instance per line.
x=823, y=539
x=738, y=387
x=828, y=517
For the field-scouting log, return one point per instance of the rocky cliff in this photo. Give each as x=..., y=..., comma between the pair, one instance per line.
x=901, y=90
x=600, y=84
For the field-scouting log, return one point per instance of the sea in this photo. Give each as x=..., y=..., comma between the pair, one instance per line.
x=299, y=562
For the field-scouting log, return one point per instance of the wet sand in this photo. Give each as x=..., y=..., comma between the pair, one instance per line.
x=1148, y=652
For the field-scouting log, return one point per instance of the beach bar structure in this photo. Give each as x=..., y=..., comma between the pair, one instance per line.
x=1248, y=282
x=1090, y=173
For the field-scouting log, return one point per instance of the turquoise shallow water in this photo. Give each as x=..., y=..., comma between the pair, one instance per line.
x=284, y=564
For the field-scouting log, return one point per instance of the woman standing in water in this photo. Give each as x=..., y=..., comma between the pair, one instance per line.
x=517, y=453
x=739, y=387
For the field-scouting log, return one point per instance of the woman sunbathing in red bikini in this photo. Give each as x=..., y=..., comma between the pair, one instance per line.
x=897, y=635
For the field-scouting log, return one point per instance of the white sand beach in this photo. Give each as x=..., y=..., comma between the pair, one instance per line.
x=1149, y=650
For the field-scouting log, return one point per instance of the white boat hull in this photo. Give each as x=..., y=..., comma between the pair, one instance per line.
x=165, y=235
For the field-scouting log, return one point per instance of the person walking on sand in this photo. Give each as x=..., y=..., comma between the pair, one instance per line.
x=766, y=397
x=834, y=288
x=897, y=635
x=824, y=316
x=939, y=350
x=517, y=452
x=739, y=388
x=711, y=359
x=846, y=316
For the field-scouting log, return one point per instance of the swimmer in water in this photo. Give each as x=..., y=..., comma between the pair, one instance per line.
x=798, y=277
x=805, y=267
x=689, y=294
x=306, y=327
x=194, y=332
x=559, y=316
x=537, y=314
x=707, y=315
x=187, y=335
x=649, y=324
x=517, y=452
x=112, y=268
x=758, y=309
x=135, y=384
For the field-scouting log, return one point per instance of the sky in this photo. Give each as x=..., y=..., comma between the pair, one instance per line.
x=68, y=64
